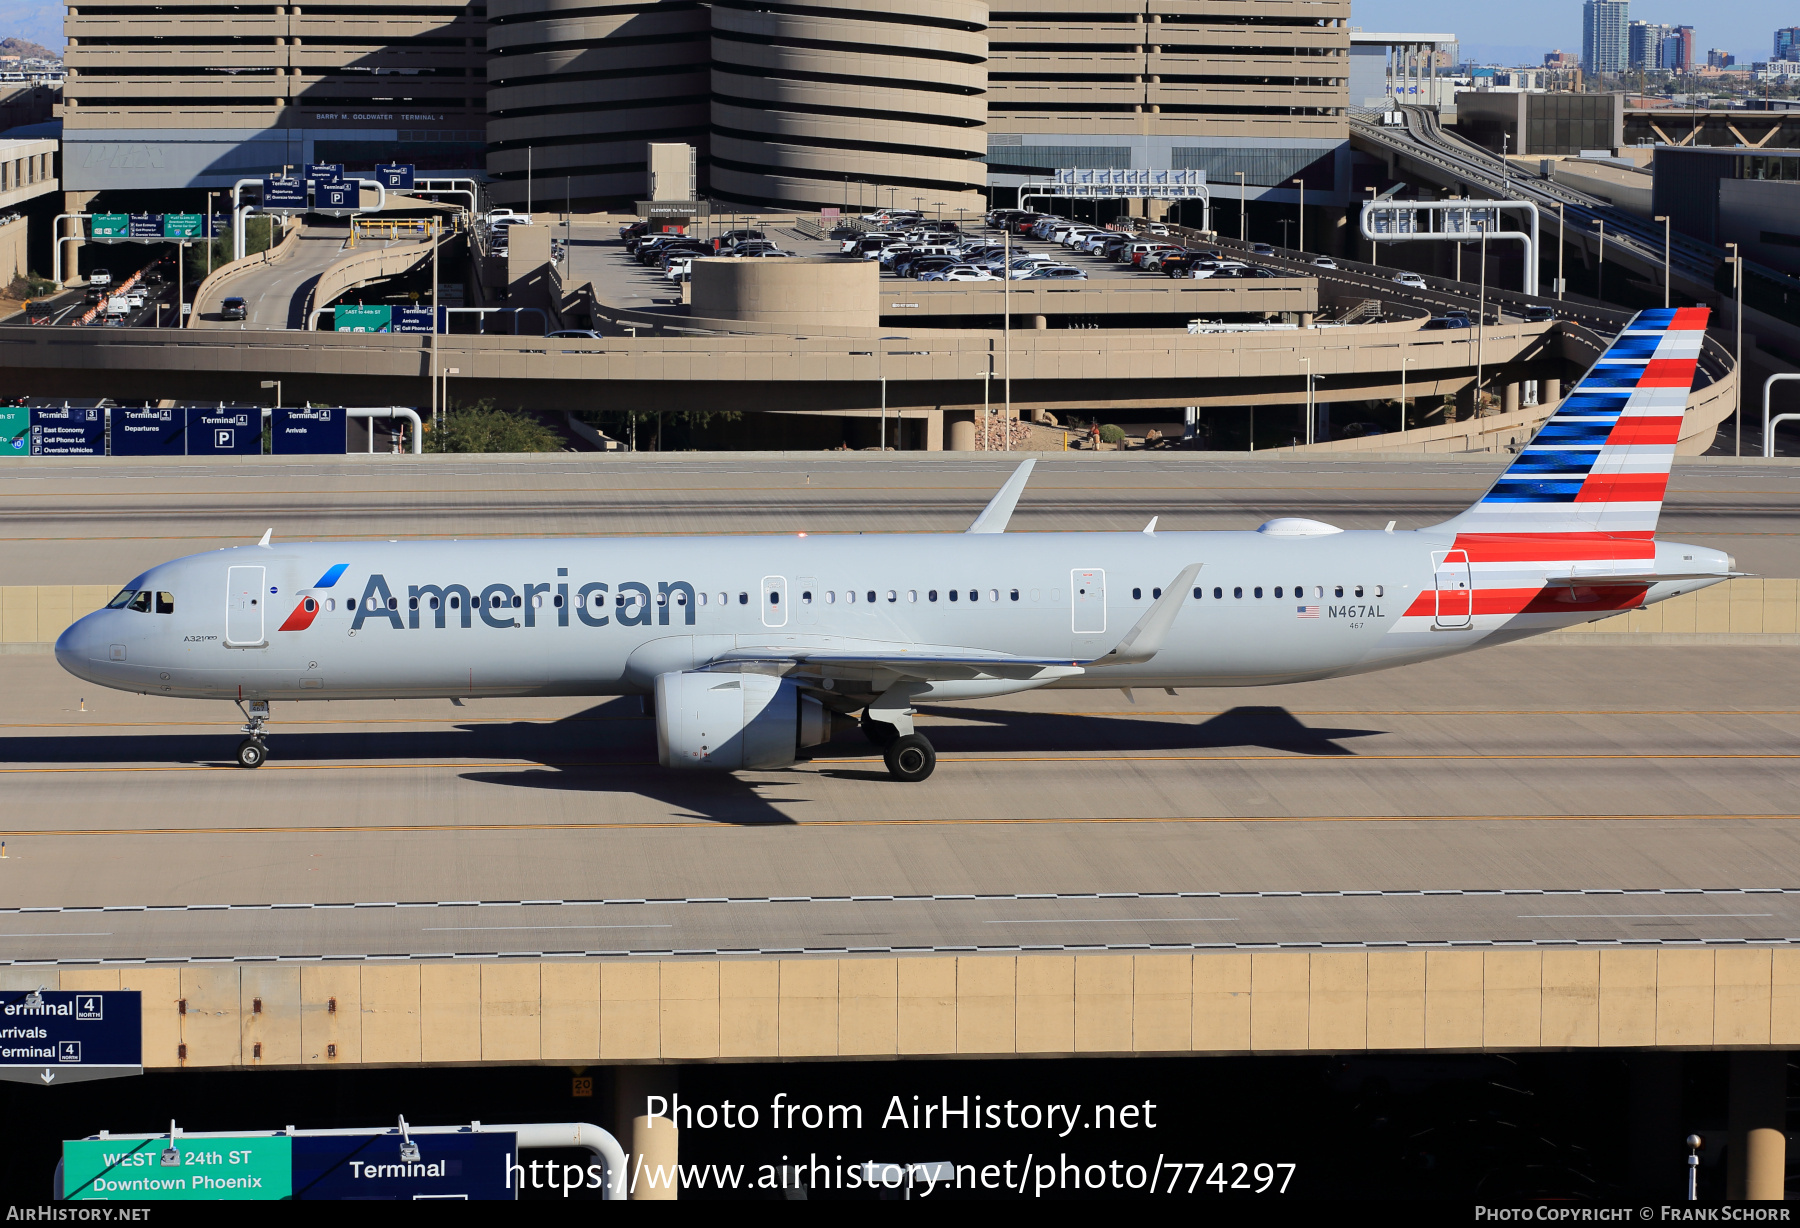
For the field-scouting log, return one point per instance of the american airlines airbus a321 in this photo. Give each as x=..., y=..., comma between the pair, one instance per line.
x=756, y=648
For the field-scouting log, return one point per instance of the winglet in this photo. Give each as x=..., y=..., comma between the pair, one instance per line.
x=999, y=510
x=1146, y=639
x=267, y=534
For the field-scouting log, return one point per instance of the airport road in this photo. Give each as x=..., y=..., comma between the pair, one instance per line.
x=276, y=293
x=1536, y=794
x=103, y=521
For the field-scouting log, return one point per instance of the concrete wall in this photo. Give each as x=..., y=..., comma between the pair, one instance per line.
x=14, y=259
x=37, y=614
x=972, y=1006
x=797, y=294
x=27, y=170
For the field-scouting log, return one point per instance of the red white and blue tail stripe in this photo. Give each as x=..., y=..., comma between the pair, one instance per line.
x=1600, y=463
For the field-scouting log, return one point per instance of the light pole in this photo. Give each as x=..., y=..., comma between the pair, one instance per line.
x=1737, y=285
x=1562, y=242
x=1481, y=320
x=1243, y=210
x=881, y=374
x=276, y=385
x=1404, y=364
x=1302, y=247
x=528, y=181
x=1374, y=247
x=1600, y=264
x=1665, y=222
x=434, y=325
x=1307, y=363
x=1006, y=318
x=1693, y=1167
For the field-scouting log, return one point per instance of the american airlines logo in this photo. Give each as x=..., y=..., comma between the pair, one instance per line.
x=632, y=603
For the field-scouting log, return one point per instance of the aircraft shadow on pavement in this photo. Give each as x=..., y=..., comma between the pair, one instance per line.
x=998, y=732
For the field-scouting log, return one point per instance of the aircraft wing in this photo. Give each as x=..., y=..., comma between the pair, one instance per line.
x=922, y=662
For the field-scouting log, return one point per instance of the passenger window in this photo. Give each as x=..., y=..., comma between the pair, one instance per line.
x=1339, y=591
x=1035, y=592
x=434, y=602
x=1278, y=590
x=165, y=603
x=953, y=594
x=1379, y=590
x=912, y=594
x=974, y=594
x=1156, y=594
x=1015, y=594
x=893, y=596
x=412, y=603
x=805, y=598
x=1137, y=594
x=537, y=601
x=456, y=602
x=557, y=601
x=394, y=602
x=1318, y=590
x=1199, y=593
x=724, y=598
x=932, y=595
x=849, y=596
x=774, y=598
x=871, y=596
x=312, y=606
x=141, y=602
x=661, y=599
x=1236, y=592
x=831, y=597
x=1259, y=592
x=122, y=600
x=743, y=598
x=1359, y=590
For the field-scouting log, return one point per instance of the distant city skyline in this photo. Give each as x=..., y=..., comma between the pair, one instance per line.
x=1490, y=33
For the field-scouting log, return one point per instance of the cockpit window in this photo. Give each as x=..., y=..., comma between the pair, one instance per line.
x=141, y=602
x=165, y=603
x=122, y=600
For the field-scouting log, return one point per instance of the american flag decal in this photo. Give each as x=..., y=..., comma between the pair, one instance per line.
x=1306, y=611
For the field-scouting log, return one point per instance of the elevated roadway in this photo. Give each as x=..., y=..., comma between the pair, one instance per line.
x=276, y=294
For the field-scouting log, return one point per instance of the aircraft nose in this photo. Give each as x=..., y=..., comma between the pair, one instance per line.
x=74, y=645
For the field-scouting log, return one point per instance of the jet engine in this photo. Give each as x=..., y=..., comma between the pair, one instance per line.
x=732, y=721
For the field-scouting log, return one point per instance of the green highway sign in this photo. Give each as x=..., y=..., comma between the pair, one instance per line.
x=357, y=319
x=109, y=226
x=199, y=1169
x=15, y=430
x=183, y=225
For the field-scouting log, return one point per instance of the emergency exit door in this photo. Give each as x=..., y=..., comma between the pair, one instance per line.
x=1455, y=589
x=1087, y=601
x=245, y=603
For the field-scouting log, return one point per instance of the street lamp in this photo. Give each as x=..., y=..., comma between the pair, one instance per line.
x=880, y=374
x=1374, y=247
x=1600, y=264
x=1302, y=183
x=1737, y=285
x=276, y=385
x=1562, y=242
x=1404, y=364
x=1243, y=210
x=1307, y=363
x=1665, y=222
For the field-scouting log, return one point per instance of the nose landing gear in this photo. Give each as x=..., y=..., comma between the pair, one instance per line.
x=253, y=752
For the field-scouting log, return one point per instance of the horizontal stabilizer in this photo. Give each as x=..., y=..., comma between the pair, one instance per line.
x=1643, y=579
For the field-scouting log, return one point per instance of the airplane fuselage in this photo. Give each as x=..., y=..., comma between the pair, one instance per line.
x=605, y=616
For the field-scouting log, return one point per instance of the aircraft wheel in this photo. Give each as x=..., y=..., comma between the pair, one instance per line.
x=251, y=753
x=879, y=732
x=910, y=758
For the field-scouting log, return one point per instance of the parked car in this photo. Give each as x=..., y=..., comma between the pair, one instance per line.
x=732, y=238
x=957, y=272
x=234, y=308
x=585, y=334
x=1442, y=322
x=1055, y=272
x=927, y=264
x=1410, y=280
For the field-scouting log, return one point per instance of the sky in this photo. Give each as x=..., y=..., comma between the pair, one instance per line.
x=38, y=20
x=1490, y=32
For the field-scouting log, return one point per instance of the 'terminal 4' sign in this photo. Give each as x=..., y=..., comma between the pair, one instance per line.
x=56, y=1036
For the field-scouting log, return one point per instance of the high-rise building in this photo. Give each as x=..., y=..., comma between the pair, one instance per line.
x=1787, y=43
x=1678, y=50
x=1644, y=40
x=1605, y=38
x=1718, y=57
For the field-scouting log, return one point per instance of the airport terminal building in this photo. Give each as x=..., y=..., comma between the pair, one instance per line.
x=853, y=104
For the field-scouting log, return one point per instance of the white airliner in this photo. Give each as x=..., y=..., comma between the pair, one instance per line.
x=756, y=648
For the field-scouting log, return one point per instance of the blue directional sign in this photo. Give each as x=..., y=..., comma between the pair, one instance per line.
x=364, y=1166
x=50, y=1036
x=418, y=319
x=337, y=196
x=149, y=432
x=231, y=430
x=279, y=193
x=324, y=174
x=319, y=431
x=68, y=431
x=395, y=177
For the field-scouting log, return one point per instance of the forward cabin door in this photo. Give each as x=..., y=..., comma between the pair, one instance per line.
x=1087, y=601
x=1455, y=588
x=245, y=603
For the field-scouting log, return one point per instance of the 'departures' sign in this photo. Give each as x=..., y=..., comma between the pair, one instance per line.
x=246, y=1169
x=149, y=432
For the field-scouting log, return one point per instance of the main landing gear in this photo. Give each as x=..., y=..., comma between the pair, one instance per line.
x=253, y=752
x=909, y=756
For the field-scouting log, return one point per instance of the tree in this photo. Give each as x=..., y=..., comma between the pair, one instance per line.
x=482, y=427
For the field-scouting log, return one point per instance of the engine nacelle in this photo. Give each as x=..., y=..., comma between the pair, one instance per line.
x=734, y=721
